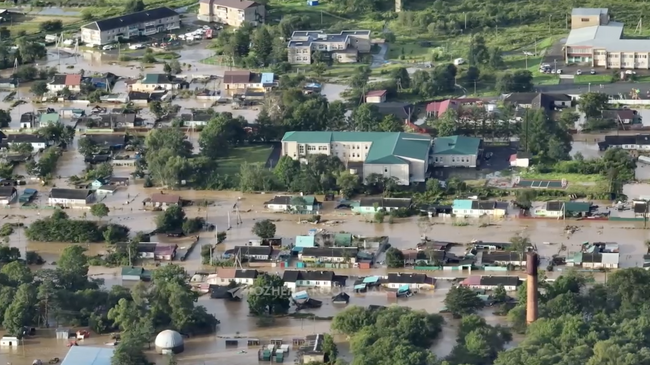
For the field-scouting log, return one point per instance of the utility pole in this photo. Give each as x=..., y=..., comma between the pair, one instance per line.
x=465, y=20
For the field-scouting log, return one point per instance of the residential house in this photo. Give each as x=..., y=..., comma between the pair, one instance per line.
x=545, y=101
x=312, y=349
x=8, y=83
x=162, y=201
x=329, y=254
x=640, y=142
x=152, y=82
x=164, y=252
x=48, y=118
x=146, y=250
x=141, y=23
x=477, y=208
x=29, y=120
x=404, y=112
x=196, y=118
x=139, y=98
x=620, y=116
x=457, y=151
x=437, y=109
x=119, y=120
x=254, y=253
x=108, y=141
x=70, y=197
x=232, y=12
x=373, y=205
x=7, y=195
x=501, y=258
x=239, y=276
x=37, y=142
x=239, y=82
x=558, y=209
x=305, y=241
x=414, y=281
x=376, y=96
x=303, y=204
x=520, y=159
x=294, y=279
x=60, y=82
x=403, y=156
x=489, y=282
x=131, y=273
x=593, y=260
x=71, y=113
x=343, y=47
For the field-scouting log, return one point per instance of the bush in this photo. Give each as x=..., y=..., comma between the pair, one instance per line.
x=6, y=230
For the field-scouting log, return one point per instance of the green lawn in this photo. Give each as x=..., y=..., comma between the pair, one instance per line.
x=237, y=156
x=593, y=79
x=575, y=178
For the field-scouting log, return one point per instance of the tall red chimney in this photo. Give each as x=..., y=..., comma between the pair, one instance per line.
x=531, y=287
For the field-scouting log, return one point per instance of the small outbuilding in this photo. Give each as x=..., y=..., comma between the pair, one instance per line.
x=169, y=342
x=62, y=333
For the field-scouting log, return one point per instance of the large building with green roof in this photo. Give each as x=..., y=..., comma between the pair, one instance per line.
x=456, y=151
x=404, y=156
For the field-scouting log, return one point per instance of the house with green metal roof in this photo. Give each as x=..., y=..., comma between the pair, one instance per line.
x=457, y=151
x=48, y=118
x=403, y=156
x=152, y=82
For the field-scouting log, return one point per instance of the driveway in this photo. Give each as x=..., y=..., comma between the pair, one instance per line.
x=379, y=59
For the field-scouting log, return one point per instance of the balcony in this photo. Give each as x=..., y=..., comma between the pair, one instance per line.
x=150, y=24
x=150, y=31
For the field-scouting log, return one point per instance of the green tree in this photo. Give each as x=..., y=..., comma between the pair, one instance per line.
x=500, y=294
x=496, y=58
x=461, y=301
x=447, y=125
x=366, y=118
x=394, y=258
x=99, y=210
x=5, y=118
x=268, y=296
x=72, y=268
x=167, y=68
x=126, y=314
x=22, y=148
x=222, y=132
x=593, y=104
x=330, y=349
x=17, y=273
x=286, y=170
x=39, y=88
x=348, y=183
x=175, y=67
x=133, y=6
x=360, y=76
x=262, y=45
x=390, y=123
x=319, y=68
x=21, y=312
x=264, y=229
x=172, y=219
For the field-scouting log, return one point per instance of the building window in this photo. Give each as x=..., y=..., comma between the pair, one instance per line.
x=311, y=148
x=385, y=170
x=584, y=19
x=301, y=149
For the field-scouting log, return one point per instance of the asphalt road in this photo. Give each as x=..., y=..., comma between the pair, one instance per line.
x=617, y=88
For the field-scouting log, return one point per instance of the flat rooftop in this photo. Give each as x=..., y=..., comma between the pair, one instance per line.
x=88, y=355
x=608, y=37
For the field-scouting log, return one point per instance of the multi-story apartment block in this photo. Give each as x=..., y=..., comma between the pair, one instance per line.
x=232, y=12
x=142, y=23
x=343, y=47
x=597, y=41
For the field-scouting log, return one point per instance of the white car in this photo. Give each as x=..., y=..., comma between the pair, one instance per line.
x=136, y=46
x=108, y=47
x=630, y=72
x=559, y=71
x=206, y=27
x=579, y=72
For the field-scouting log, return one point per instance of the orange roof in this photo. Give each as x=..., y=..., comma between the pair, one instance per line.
x=72, y=80
x=225, y=273
x=376, y=93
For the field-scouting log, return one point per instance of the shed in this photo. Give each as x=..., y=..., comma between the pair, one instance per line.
x=62, y=333
x=88, y=355
x=376, y=96
x=9, y=341
x=268, y=79
x=132, y=273
x=169, y=342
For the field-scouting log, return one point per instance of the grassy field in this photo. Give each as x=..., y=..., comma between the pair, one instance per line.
x=572, y=178
x=593, y=79
x=30, y=23
x=237, y=156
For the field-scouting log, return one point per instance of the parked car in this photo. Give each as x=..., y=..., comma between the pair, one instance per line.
x=137, y=46
x=630, y=72
x=559, y=71
x=579, y=72
x=108, y=47
x=593, y=72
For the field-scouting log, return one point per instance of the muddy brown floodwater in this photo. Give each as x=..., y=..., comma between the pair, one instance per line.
x=126, y=207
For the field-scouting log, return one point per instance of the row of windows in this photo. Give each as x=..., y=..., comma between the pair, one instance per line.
x=453, y=159
x=160, y=21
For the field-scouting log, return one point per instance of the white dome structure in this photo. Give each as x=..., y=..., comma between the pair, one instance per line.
x=169, y=342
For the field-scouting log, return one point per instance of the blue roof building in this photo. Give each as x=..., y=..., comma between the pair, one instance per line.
x=88, y=355
x=464, y=204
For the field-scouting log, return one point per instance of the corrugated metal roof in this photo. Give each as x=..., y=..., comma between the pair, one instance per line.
x=371, y=279
x=589, y=11
x=304, y=241
x=267, y=78
x=462, y=204
x=610, y=258
x=88, y=355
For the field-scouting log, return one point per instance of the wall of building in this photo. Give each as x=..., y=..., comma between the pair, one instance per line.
x=400, y=172
x=455, y=160
x=345, y=57
x=583, y=21
x=150, y=87
x=417, y=169
x=67, y=202
x=299, y=55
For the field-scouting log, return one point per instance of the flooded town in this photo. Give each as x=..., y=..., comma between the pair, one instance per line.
x=191, y=210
